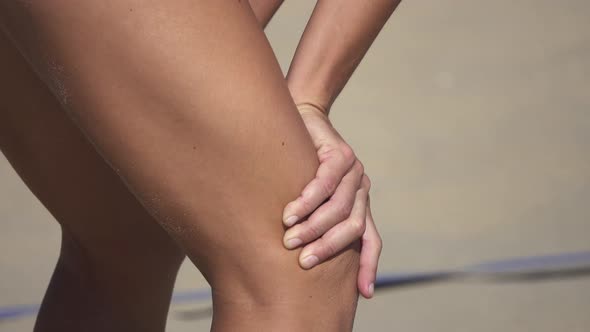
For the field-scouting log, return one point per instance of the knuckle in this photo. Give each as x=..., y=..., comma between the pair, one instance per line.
x=378, y=244
x=363, y=227
x=366, y=182
x=328, y=187
x=358, y=226
x=359, y=166
x=306, y=204
x=347, y=153
x=329, y=249
x=342, y=210
x=311, y=231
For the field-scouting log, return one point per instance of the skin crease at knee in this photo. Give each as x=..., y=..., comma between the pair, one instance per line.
x=249, y=207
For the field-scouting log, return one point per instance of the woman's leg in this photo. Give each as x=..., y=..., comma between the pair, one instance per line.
x=187, y=103
x=117, y=267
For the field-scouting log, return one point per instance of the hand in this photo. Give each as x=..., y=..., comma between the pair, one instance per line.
x=336, y=204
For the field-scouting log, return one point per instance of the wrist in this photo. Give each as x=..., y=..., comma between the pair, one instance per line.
x=306, y=107
x=310, y=95
x=311, y=113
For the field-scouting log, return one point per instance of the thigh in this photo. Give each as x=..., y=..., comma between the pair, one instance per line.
x=64, y=171
x=187, y=103
x=110, y=245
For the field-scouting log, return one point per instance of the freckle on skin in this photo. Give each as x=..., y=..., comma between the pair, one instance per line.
x=283, y=143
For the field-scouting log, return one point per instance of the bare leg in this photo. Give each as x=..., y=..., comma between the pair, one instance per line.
x=117, y=267
x=188, y=104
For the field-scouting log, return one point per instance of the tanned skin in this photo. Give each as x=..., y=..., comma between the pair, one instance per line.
x=214, y=172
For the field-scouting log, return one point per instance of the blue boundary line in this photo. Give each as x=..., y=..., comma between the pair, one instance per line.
x=514, y=266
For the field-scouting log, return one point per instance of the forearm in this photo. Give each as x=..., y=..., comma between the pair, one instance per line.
x=335, y=40
x=265, y=10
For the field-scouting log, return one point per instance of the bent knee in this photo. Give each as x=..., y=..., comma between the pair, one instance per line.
x=274, y=292
x=274, y=277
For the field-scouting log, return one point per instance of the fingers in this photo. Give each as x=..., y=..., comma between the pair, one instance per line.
x=370, y=252
x=337, y=209
x=334, y=165
x=341, y=235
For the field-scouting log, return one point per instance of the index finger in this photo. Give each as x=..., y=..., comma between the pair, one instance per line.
x=330, y=172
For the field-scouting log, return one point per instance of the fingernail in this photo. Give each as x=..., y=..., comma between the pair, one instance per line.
x=309, y=261
x=293, y=243
x=371, y=289
x=291, y=221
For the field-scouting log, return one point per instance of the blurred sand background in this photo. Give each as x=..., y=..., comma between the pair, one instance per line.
x=473, y=121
